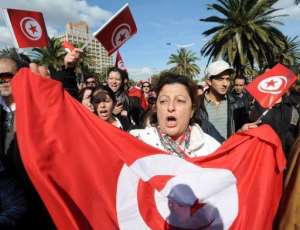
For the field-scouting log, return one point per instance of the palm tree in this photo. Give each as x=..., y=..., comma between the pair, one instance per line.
x=245, y=33
x=9, y=52
x=53, y=55
x=184, y=62
x=290, y=54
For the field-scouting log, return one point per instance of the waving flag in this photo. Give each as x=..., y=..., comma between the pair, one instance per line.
x=117, y=30
x=27, y=27
x=137, y=92
x=271, y=85
x=107, y=179
x=119, y=61
x=68, y=46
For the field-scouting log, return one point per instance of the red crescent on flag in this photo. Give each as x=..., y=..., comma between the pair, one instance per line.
x=25, y=22
x=167, y=172
x=121, y=34
x=273, y=85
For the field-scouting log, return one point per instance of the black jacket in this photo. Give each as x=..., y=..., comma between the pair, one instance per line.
x=237, y=114
x=13, y=203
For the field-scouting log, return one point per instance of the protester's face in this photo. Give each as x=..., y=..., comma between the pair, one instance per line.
x=239, y=85
x=146, y=87
x=91, y=82
x=87, y=94
x=7, y=70
x=114, y=81
x=105, y=108
x=174, y=109
x=220, y=84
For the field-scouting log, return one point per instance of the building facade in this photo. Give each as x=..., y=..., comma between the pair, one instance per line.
x=79, y=33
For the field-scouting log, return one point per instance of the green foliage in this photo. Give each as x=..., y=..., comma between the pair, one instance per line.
x=245, y=33
x=184, y=62
x=53, y=55
x=290, y=53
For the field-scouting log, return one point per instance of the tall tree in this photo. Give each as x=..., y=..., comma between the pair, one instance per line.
x=53, y=55
x=290, y=54
x=245, y=33
x=184, y=62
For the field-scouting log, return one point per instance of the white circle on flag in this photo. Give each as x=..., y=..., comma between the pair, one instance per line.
x=121, y=65
x=120, y=34
x=272, y=85
x=214, y=187
x=31, y=28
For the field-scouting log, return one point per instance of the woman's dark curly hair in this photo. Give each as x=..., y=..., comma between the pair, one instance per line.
x=168, y=78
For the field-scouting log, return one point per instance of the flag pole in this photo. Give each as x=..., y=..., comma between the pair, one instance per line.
x=258, y=121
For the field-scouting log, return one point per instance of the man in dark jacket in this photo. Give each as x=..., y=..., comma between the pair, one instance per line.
x=217, y=106
x=9, y=155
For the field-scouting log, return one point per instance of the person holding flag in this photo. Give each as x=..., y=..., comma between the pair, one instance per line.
x=273, y=105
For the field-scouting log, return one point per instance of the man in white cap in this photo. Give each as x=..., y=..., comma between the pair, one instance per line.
x=218, y=107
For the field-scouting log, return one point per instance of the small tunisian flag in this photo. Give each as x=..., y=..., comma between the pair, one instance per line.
x=271, y=85
x=138, y=92
x=92, y=175
x=119, y=61
x=68, y=46
x=27, y=27
x=117, y=30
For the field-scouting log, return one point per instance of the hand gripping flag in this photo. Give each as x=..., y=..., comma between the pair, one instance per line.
x=92, y=175
x=27, y=28
x=271, y=85
x=119, y=62
x=68, y=46
x=117, y=30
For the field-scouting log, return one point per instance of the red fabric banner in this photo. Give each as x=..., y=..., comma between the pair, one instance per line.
x=27, y=27
x=92, y=175
x=117, y=30
x=137, y=92
x=271, y=85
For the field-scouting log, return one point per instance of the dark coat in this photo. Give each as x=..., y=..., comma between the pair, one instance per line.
x=13, y=203
x=237, y=114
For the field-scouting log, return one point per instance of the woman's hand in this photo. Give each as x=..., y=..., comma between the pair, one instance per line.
x=72, y=57
x=118, y=109
x=249, y=126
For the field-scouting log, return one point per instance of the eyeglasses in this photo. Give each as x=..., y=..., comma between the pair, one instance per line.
x=146, y=86
x=5, y=77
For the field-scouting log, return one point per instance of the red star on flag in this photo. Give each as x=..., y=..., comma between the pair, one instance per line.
x=271, y=83
x=122, y=37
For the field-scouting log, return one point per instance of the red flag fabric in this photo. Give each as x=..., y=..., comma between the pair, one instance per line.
x=119, y=61
x=92, y=175
x=137, y=92
x=68, y=46
x=114, y=33
x=271, y=85
x=27, y=27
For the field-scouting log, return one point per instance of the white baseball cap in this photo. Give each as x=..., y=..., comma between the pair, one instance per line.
x=217, y=67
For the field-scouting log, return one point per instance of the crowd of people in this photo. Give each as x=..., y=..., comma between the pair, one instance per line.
x=175, y=115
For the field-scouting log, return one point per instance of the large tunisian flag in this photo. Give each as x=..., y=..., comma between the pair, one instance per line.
x=271, y=85
x=117, y=30
x=27, y=27
x=92, y=175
